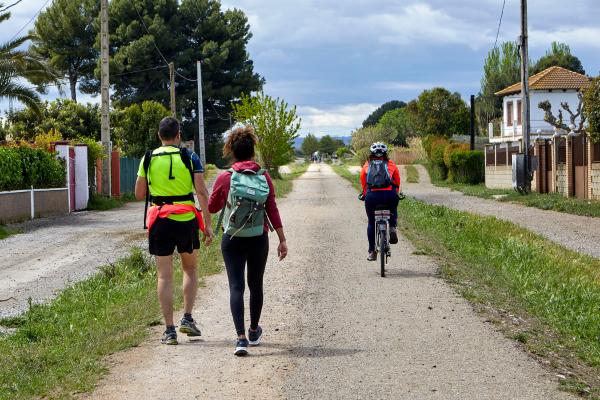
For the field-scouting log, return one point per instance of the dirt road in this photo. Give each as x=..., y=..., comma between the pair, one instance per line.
x=53, y=253
x=575, y=232
x=334, y=329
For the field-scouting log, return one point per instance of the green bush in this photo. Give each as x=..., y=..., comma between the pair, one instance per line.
x=437, y=149
x=23, y=167
x=466, y=166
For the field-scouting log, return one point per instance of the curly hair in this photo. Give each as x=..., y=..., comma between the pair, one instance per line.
x=240, y=143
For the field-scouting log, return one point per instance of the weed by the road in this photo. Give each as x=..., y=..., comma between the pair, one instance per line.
x=58, y=348
x=101, y=203
x=5, y=232
x=412, y=175
x=542, y=295
x=284, y=185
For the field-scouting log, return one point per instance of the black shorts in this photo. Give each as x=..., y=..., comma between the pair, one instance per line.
x=167, y=234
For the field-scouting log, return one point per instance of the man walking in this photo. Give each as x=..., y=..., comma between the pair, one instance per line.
x=171, y=175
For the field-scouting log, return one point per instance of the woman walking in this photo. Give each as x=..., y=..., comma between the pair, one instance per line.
x=246, y=196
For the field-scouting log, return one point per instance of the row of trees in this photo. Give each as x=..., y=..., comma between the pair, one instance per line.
x=326, y=145
x=145, y=34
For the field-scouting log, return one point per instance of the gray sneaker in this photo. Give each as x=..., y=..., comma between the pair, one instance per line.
x=169, y=337
x=254, y=337
x=189, y=328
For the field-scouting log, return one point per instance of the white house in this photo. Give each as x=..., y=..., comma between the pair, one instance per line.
x=556, y=85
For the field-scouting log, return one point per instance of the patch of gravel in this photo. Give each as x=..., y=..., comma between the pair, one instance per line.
x=333, y=328
x=578, y=233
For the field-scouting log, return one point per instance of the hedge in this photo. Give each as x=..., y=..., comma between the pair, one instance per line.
x=436, y=156
x=466, y=166
x=24, y=167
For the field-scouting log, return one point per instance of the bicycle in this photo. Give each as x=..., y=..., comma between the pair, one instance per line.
x=382, y=237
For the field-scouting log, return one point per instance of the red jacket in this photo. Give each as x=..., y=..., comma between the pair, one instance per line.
x=394, y=173
x=218, y=198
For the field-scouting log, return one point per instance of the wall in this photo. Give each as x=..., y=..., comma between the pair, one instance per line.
x=596, y=180
x=498, y=177
x=50, y=202
x=561, y=178
x=16, y=206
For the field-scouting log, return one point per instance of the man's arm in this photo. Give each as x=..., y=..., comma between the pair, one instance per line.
x=141, y=185
x=202, y=193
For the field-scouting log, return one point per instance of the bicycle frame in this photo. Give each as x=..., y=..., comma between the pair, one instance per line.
x=382, y=238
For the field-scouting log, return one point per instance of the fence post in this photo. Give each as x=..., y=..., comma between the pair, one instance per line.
x=32, y=203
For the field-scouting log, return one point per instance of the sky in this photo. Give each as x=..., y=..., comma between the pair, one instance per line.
x=339, y=60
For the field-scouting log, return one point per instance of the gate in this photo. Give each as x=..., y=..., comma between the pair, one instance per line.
x=128, y=175
x=580, y=168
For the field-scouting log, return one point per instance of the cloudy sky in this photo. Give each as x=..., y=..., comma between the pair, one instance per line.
x=339, y=60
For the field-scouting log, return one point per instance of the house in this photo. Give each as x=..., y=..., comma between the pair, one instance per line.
x=567, y=163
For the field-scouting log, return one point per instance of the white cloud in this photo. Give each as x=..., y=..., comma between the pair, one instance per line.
x=336, y=120
x=575, y=36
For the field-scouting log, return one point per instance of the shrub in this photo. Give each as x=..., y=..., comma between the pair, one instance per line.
x=451, y=148
x=23, y=167
x=466, y=166
x=591, y=109
x=436, y=157
x=43, y=140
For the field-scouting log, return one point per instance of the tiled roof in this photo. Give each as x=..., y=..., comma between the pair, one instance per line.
x=553, y=78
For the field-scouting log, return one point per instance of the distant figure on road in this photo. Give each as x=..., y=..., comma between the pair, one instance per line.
x=171, y=173
x=380, y=180
x=246, y=196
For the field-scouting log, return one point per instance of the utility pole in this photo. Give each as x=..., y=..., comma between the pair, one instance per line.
x=525, y=104
x=172, y=89
x=472, y=125
x=199, y=145
x=105, y=87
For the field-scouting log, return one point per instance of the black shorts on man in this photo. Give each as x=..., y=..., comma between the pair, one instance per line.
x=166, y=235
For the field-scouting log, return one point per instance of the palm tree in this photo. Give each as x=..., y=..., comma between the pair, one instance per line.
x=19, y=65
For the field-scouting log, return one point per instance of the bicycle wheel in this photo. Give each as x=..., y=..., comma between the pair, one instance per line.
x=383, y=251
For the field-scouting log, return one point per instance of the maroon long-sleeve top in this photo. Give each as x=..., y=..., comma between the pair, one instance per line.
x=218, y=198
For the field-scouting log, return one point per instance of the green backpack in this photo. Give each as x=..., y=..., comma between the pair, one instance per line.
x=244, y=213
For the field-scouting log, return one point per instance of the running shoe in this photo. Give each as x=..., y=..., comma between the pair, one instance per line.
x=393, y=235
x=189, y=328
x=241, y=347
x=254, y=337
x=372, y=256
x=169, y=337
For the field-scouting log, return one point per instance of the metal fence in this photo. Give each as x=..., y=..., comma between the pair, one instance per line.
x=128, y=174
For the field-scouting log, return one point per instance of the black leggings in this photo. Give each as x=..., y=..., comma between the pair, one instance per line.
x=237, y=252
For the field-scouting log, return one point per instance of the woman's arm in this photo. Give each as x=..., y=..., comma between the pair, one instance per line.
x=219, y=194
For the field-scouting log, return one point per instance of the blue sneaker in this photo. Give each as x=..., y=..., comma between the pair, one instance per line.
x=255, y=337
x=241, y=347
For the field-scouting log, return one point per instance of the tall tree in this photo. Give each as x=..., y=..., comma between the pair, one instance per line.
x=376, y=115
x=329, y=145
x=16, y=65
x=560, y=55
x=440, y=112
x=310, y=144
x=64, y=35
x=400, y=122
x=501, y=69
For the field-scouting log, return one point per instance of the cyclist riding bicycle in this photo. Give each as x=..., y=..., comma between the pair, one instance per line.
x=380, y=180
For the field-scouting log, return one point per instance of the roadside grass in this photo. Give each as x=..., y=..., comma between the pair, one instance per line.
x=6, y=232
x=545, y=297
x=58, y=349
x=412, y=175
x=547, y=201
x=284, y=184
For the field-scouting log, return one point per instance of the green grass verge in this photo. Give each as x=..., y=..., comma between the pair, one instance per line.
x=412, y=175
x=101, y=203
x=58, y=348
x=284, y=184
x=548, y=201
x=541, y=294
x=5, y=232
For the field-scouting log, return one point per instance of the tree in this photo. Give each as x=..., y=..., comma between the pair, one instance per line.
x=376, y=115
x=70, y=119
x=275, y=124
x=310, y=144
x=558, y=122
x=363, y=138
x=16, y=65
x=184, y=32
x=329, y=145
x=439, y=112
x=64, y=35
x=136, y=128
x=560, y=55
x=400, y=123
x=591, y=110
x=501, y=69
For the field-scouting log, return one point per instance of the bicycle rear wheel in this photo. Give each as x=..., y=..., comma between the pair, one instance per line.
x=382, y=251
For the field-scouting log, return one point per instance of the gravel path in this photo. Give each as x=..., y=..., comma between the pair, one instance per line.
x=575, y=232
x=333, y=328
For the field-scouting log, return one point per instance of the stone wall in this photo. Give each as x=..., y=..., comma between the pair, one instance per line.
x=561, y=178
x=499, y=177
x=16, y=206
x=595, y=181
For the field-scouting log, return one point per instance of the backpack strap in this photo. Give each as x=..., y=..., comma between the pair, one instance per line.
x=146, y=166
x=222, y=213
x=187, y=161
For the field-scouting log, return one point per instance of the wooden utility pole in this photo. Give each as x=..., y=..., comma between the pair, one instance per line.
x=105, y=87
x=525, y=104
x=472, y=123
x=172, y=89
x=199, y=145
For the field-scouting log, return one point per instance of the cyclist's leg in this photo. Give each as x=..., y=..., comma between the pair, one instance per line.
x=393, y=202
x=370, y=203
x=235, y=255
x=257, y=259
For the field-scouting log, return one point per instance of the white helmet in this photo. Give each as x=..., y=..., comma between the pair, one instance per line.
x=379, y=149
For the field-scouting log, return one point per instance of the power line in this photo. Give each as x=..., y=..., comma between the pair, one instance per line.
x=10, y=6
x=156, y=46
x=500, y=23
x=141, y=70
x=30, y=20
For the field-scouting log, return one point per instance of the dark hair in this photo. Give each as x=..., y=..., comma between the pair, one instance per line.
x=384, y=157
x=168, y=128
x=240, y=143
